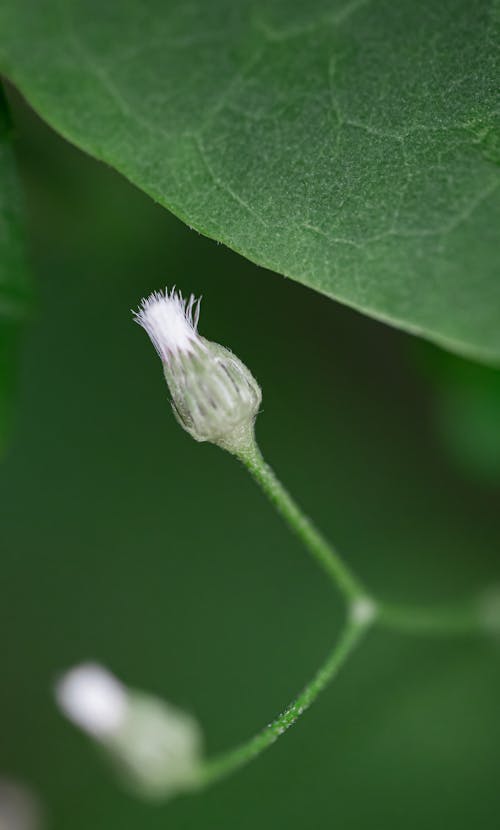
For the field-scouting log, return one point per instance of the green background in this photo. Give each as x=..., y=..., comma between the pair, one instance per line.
x=126, y=542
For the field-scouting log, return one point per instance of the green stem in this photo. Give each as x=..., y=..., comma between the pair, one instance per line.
x=324, y=553
x=223, y=765
x=363, y=611
x=427, y=620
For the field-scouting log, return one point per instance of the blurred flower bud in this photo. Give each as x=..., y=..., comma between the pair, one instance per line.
x=214, y=396
x=19, y=809
x=93, y=699
x=156, y=747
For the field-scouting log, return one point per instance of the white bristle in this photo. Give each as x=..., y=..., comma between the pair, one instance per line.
x=170, y=321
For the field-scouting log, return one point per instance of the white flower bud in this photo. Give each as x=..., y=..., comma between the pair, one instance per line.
x=92, y=698
x=156, y=747
x=214, y=396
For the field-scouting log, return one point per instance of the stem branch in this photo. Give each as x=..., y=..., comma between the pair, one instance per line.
x=465, y=618
x=441, y=621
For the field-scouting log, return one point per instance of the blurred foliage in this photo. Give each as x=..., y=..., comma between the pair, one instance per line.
x=14, y=280
x=466, y=410
x=126, y=542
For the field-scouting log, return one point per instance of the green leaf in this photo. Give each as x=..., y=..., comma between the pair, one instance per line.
x=13, y=270
x=351, y=145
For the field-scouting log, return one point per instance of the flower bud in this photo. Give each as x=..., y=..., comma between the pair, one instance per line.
x=156, y=747
x=214, y=396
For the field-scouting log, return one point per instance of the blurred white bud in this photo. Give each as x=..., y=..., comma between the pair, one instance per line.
x=19, y=808
x=93, y=698
x=157, y=747
x=214, y=396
